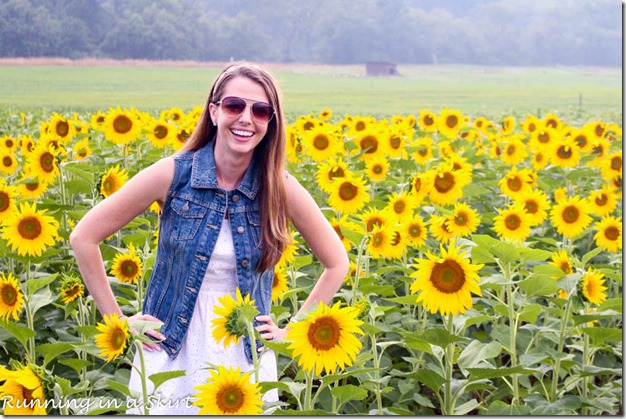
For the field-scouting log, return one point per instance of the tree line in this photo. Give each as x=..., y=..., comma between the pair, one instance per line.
x=486, y=32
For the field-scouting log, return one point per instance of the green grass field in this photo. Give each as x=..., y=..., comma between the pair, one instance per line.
x=490, y=91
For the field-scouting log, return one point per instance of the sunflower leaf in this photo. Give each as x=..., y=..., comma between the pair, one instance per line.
x=600, y=335
x=21, y=333
x=37, y=283
x=348, y=392
x=161, y=377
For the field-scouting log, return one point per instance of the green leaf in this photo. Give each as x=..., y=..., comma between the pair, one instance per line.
x=482, y=255
x=19, y=332
x=348, y=392
x=53, y=350
x=507, y=252
x=489, y=373
x=530, y=313
x=114, y=385
x=600, y=335
x=566, y=405
x=500, y=408
x=538, y=286
x=440, y=337
x=430, y=378
x=75, y=363
x=353, y=236
x=405, y=299
x=40, y=299
x=534, y=254
x=466, y=407
x=589, y=255
x=477, y=352
x=161, y=377
x=37, y=283
x=413, y=342
x=586, y=318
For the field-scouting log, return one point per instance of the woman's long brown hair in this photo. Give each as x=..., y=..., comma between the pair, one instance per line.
x=270, y=155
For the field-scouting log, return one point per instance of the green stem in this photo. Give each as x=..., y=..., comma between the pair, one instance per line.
x=379, y=400
x=448, y=402
x=308, y=390
x=144, y=385
x=255, y=356
x=513, y=323
x=30, y=321
x=559, y=349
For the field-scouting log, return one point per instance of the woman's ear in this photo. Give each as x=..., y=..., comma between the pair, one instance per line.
x=213, y=113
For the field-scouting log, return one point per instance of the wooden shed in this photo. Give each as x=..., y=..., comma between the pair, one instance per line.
x=381, y=68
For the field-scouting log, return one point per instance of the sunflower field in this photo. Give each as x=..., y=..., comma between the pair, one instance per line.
x=486, y=266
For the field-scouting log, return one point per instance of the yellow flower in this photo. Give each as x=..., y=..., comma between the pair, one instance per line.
x=541, y=139
x=609, y=233
x=530, y=124
x=289, y=254
x=376, y=168
x=349, y=195
x=570, y=216
x=400, y=206
x=321, y=143
x=325, y=339
x=373, y=217
x=71, y=289
x=127, y=267
x=96, y=122
x=514, y=151
x=398, y=244
x=228, y=392
x=280, y=285
x=427, y=121
x=29, y=231
x=61, y=128
x=439, y=228
x=508, y=125
x=513, y=223
x=564, y=152
x=343, y=223
x=11, y=297
x=113, y=180
x=415, y=231
x=122, y=126
x=536, y=203
x=160, y=133
x=227, y=324
x=603, y=201
x=516, y=183
x=423, y=153
x=42, y=162
x=379, y=243
x=330, y=170
x=464, y=220
x=370, y=144
x=597, y=129
x=113, y=336
x=591, y=287
x=8, y=200
x=561, y=260
x=395, y=141
x=582, y=139
x=446, y=282
x=421, y=184
x=552, y=121
x=24, y=392
x=611, y=166
x=447, y=185
x=81, y=149
x=173, y=115
x=450, y=122
x=539, y=160
x=8, y=162
x=29, y=188
x=326, y=114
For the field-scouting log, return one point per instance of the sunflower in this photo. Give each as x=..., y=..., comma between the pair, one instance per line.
x=530, y=124
x=369, y=144
x=508, y=125
x=113, y=180
x=445, y=149
x=113, y=336
x=11, y=297
x=227, y=325
x=42, y=163
x=280, y=285
x=450, y=121
x=515, y=183
x=27, y=144
x=160, y=133
x=446, y=282
x=447, y=185
x=464, y=220
x=24, y=390
x=376, y=168
x=379, y=243
x=571, y=216
x=8, y=162
x=289, y=253
x=439, y=228
x=591, y=287
x=552, y=121
x=564, y=152
x=562, y=261
x=229, y=392
x=127, y=267
x=96, y=122
x=71, y=289
x=514, y=151
x=421, y=184
x=582, y=139
x=28, y=188
x=395, y=141
x=29, y=231
x=173, y=115
x=181, y=135
x=536, y=203
x=427, y=121
x=539, y=160
x=8, y=200
x=321, y=143
x=401, y=206
x=513, y=223
x=8, y=143
x=328, y=171
x=611, y=166
x=121, y=126
x=398, y=244
x=326, y=339
x=596, y=129
x=373, y=217
x=541, y=139
x=415, y=231
x=349, y=195
x=603, y=201
x=423, y=153
x=609, y=233
x=81, y=149
x=61, y=128
x=343, y=223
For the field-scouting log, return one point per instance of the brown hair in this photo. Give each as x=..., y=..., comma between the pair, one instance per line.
x=270, y=154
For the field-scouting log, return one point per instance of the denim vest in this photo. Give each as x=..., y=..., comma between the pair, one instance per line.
x=190, y=224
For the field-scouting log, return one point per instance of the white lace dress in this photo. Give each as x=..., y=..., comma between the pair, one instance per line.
x=175, y=396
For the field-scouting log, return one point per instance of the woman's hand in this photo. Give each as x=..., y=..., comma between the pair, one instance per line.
x=269, y=330
x=148, y=346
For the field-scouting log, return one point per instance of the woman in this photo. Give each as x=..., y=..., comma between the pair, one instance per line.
x=225, y=201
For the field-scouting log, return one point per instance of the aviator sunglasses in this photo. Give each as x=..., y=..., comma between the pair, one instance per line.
x=232, y=105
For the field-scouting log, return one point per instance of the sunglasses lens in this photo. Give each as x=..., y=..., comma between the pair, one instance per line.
x=262, y=111
x=233, y=105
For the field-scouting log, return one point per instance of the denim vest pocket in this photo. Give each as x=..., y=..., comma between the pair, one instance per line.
x=254, y=218
x=189, y=216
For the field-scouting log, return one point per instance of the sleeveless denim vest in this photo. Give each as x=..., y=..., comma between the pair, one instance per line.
x=189, y=226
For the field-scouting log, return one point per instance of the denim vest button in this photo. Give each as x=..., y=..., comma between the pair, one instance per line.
x=240, y=229
x=235, y=198
x=244, y=263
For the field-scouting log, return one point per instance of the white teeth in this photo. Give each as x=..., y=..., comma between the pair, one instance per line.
x=242, y=133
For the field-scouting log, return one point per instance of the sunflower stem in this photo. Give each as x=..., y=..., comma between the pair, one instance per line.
x=586, y=362
x=379, y=401
x=82, y=354
x=144, y=385
x=308, y=390
x=255, y=355
x=559, y=349
x=30, y=321
x=513, y=323
x=448, y=402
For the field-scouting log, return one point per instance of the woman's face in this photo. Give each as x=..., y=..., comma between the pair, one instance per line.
x=238, y=134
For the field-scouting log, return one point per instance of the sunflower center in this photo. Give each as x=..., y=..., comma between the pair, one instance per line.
x=531, y=127
x=399, y=207
x=514, y=183
x=33, y=186
x=564, y=152
x=348, y=191
x=73, y=291
x=581, y=140
x=397, y=238
x=395, y=142
x=543, y=137
x=82, y=152
x=29, y=228
x=512, y=222
x=447, y=277
x=444, y=182
x=417, y=184
x=118, y=338
x=378, y=240
x=566, y=267
x=336, y=172
x=373, y=222
x=599, y=129
x=369, y=143
x=539, y=157
x=616, y=164
x=9, y=294
x=63, y=128
x=324, y=334
x=452, y=121
x=531, y=207
x=46, y=161
x=378, y=169
x=461, y=219
x=321, y=142
x=415, y=231
x=109, y=185
x=360, y=126
x=571, y=214
x=611, y=233
x=422, y=151
x=129, y=268
x=602, y=199
x=7, y=161
x=510, y=150
x=552, y=123
x=160, y=132
x=122, y=124
x=27, y=395
x=5, y=200
x=230, y=399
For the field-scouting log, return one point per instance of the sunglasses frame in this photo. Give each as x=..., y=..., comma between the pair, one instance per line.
x=230, y=112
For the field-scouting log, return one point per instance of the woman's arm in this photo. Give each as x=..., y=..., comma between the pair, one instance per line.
x=109, y=216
